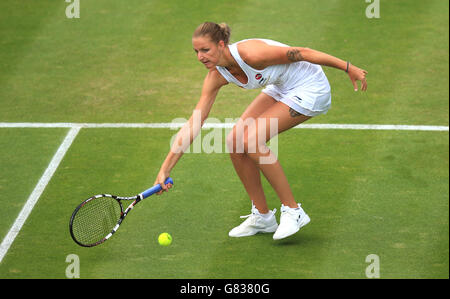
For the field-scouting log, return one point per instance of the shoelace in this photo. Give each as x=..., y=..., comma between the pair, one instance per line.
x=255, y=213
x=291, y=212
x=285, y=209
x=250, y=219
x=246, y=216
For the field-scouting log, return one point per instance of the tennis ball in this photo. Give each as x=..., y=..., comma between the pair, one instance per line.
x=165, y=239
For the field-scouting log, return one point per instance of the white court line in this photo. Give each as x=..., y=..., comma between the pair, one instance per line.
x=34, y=196
x=224, y=126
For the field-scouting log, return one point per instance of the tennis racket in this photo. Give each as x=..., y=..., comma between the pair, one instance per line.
x=97, y=218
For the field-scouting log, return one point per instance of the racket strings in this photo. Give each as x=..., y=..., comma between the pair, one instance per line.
x=96, y=219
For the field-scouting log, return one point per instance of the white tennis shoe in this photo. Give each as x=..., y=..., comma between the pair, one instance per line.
x=255, y=223
x=291, y=220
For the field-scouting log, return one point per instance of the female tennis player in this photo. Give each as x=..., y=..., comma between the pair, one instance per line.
x=295, y=89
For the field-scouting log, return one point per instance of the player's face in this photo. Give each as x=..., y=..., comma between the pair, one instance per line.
x=208, y=52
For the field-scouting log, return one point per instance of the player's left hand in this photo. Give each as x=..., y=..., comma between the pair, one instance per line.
x=357, y=74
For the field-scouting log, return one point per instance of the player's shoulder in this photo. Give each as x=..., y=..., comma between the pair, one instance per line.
x=250, y=47
x=254, y=52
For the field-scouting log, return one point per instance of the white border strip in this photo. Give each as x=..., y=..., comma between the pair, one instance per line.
x=223, y=126
x=373, y=127
x=34, y=196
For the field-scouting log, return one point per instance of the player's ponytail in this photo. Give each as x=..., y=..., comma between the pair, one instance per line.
x=216, y=32
x=226, y=31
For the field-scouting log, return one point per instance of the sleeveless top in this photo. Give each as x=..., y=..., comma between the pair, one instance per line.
x=286, y=77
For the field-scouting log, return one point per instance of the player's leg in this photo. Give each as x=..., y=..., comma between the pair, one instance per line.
x=247, y=162
x=245, y=167
x=255, y=143
x=293, y=217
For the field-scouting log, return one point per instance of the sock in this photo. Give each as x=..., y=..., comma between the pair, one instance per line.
x=267, y=215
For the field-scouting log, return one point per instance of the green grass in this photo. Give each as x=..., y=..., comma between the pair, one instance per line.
x=24, y=155
x=130, y=61
x=361, y=201
x=367, y=192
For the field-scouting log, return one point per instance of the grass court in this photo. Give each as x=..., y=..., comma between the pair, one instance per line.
x=382, y=192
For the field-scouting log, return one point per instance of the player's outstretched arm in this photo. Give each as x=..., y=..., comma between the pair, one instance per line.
x=186, y=135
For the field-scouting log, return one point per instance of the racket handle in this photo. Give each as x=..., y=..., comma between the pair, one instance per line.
x=155, y=189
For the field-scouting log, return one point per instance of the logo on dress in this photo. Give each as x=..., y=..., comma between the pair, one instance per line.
x=258, y=76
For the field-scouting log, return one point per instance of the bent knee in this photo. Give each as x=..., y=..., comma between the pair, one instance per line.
x=234, y=145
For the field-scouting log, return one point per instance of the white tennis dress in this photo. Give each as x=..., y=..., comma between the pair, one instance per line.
x=301, y=85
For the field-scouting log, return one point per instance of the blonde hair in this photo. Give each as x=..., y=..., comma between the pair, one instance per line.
x=216, y=32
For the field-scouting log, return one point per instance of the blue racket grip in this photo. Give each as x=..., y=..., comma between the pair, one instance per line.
x=155, y=189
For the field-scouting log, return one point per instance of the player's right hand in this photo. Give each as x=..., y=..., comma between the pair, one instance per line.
x=160, y=179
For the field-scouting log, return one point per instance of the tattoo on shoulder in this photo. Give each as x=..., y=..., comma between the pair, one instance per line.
x=294, y=113
x=294, y=55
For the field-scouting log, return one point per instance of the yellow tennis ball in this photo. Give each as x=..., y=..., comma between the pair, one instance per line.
x=165, y=239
